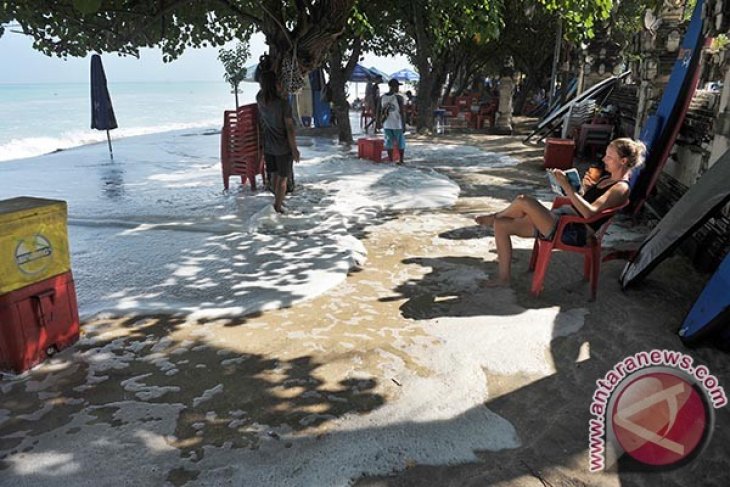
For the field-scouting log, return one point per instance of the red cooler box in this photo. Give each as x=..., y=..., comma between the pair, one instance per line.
x=559, y=153
x=37, y=321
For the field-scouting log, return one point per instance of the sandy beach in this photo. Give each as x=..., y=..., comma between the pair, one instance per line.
x=401, y=371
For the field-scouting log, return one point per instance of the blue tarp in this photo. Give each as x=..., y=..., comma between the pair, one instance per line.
x=320, y=107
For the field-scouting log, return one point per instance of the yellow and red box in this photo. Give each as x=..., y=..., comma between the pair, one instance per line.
x=38, y=310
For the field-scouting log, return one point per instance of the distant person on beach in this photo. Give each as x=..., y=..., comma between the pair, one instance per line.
x=370, y=97
x=280, y=143
x=391, y=117
x=526, y=217
x=410, y=107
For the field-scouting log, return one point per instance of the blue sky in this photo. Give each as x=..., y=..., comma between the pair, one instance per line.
x=29, y=66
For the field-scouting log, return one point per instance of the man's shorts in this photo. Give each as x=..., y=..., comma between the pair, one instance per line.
x=281, y=165
x=395, y=135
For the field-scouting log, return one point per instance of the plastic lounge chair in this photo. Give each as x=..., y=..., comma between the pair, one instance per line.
x=241, y=152
x=542, y=250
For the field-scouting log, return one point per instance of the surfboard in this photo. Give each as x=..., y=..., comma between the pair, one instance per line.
x=701, y=201
x=710, y=315
x=661, y=129
x=593, y=92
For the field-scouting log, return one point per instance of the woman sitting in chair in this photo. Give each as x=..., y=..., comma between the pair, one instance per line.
x=526, y=217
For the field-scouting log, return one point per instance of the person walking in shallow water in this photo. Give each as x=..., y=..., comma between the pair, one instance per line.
x=280, y=143
x=526, y=217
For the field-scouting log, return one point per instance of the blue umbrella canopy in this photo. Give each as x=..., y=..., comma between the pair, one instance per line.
x=361, y=74
x=405, y=75
x=102, y=113
x=383, y=75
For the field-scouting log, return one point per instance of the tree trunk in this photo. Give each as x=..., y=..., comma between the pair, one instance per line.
x=425, y=104
x=339, y=75
x=447, y=89
x=527, y=87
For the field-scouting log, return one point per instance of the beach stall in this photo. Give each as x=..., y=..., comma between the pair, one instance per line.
x=38, y=310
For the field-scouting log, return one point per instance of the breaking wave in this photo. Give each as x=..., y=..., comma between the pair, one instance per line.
x=22, y=148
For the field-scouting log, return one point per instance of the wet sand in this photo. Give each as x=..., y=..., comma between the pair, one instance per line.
x=409, y=373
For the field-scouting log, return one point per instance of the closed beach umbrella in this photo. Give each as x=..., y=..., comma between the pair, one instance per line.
x=102, y=113
x=406, y=76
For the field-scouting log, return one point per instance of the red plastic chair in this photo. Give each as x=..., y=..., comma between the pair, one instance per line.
x=543, y=249
x=487, y=113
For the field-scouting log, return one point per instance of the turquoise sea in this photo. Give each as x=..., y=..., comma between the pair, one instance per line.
x=40, y=118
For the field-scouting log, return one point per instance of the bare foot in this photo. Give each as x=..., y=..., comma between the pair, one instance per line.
x=279, y=210
x=493, y=283
x=485, y=220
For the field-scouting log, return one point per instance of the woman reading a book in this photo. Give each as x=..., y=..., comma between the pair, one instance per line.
x=526, y=217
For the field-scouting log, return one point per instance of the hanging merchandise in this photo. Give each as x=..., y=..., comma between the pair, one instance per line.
x=291, y=75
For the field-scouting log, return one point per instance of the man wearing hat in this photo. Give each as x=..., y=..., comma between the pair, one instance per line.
x=390, y=116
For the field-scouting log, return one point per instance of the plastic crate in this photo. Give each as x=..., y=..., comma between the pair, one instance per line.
x=369, y=148
x=37, y=321
x=559, y=153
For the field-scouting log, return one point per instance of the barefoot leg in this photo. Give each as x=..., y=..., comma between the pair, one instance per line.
x=485, y=220
x=526, y=206
x=504, y=228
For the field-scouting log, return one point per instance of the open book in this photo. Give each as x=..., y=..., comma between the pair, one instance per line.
x=573, y=179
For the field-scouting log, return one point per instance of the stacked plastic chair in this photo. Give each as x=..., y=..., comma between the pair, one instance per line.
x=241, y=150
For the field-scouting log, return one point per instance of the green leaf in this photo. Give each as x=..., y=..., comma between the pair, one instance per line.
x=87, y=6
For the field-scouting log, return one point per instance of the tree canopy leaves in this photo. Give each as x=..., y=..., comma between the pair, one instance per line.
x=78, y=27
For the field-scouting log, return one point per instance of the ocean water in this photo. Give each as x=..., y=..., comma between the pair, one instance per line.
x=40, y=118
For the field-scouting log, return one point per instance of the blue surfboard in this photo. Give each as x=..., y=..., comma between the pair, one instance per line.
x=711, y=312
x=661, y=128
